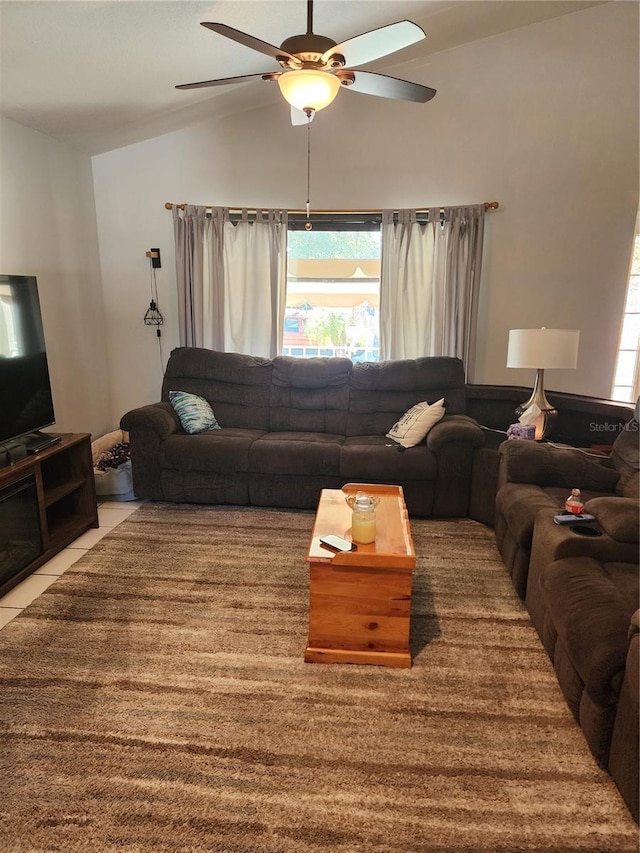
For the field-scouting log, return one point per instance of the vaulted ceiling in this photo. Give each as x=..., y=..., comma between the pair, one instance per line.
x=99, y=75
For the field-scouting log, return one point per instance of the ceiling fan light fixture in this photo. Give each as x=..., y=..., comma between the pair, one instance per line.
x=307, y=89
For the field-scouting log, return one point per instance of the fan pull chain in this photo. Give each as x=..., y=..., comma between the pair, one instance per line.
x=308, y=226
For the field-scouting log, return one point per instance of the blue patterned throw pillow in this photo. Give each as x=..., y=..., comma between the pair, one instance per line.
x=196, y=415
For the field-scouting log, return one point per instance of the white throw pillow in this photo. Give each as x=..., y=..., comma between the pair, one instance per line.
x=412, y=427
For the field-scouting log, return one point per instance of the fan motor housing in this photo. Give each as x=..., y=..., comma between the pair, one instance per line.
x=309, y=48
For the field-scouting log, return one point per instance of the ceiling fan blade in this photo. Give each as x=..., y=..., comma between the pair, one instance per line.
x=369, y=83
x=225, y=81
x=251, y=41
x=298, y=117
x=377, y=43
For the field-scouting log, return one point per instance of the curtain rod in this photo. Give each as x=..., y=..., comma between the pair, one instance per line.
x=488, y=205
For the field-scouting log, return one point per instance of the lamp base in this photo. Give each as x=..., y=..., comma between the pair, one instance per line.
x=547, y=417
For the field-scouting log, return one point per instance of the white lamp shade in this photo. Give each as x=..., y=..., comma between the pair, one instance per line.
x=543, y=348
x=307, y=89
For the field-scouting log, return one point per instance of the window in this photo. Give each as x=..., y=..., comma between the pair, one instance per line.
x=333, y=289
x=626, y=381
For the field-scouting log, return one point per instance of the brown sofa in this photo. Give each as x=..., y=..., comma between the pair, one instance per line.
x=583, y=609
x=291, y=427
x=536, y=476
x=581, y=592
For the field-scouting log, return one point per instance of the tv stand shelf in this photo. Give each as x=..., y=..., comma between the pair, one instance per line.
x=65, y=495
x=52, y=496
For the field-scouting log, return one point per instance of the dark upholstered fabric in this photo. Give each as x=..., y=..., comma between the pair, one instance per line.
x=453, y=481
x=206, y=487
x=456, y=428
x=221, y=450
x=148, y=428
x=484, y=486
x=287, y=490
x=382, y=392
x=623, y=756
x=619, y=517
x=545, y=465
x=238, y=387
x=310, y=395
x=291, y=372
x=298, y=453
x=553, y=542
x=374, y=458
x=581, y=608
x=314, y=410
x=590, y=604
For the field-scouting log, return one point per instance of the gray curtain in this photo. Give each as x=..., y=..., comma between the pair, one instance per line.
x=429, y=283
x=231, y=279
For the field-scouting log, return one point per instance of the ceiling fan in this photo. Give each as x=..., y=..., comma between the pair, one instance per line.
x=315, y=67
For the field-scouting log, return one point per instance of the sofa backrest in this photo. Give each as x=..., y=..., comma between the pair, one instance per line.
x=310, y=394
x=381, y=392
x=238, y=387
x=330, y=395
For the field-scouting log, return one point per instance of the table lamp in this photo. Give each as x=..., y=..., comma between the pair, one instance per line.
x=542, y=349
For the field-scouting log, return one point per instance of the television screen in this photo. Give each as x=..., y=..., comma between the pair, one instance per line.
x=26, y=404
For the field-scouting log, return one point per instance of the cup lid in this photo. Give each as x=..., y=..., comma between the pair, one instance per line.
x=363, y=501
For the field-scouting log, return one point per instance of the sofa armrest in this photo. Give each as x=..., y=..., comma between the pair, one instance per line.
x=619, y=517
x=539, y=464
x=148, y=427
x=454, y=428
x=453, y=442
x=159, y=419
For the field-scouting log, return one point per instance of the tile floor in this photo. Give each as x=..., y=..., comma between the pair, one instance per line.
x=110, y=514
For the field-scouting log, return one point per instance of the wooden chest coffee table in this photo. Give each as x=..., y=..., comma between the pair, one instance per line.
x=360, y=601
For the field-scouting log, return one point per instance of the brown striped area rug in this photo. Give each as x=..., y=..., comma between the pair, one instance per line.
x=155, y=698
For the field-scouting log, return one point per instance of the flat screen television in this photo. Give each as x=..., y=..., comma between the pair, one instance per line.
x=26, y=404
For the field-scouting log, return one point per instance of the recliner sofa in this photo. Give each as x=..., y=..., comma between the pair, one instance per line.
x=581, y=592
x=534, y=476
x=291, y=427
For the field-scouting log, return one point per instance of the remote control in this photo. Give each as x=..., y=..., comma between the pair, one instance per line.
x=573, y=518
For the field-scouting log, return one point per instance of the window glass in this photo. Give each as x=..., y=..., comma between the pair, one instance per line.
x=333, y=294
x=625, y=383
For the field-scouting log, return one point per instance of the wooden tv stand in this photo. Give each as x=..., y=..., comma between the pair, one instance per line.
x=65, y=495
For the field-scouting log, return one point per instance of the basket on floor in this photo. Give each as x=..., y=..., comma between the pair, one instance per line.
x=112, y=467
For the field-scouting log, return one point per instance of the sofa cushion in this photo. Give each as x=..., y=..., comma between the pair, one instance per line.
x=300, y=453
x=374, y=459
x=195, y=413
x=546, y=465
x=590, y=604
x=413, y=426
x=237, y=386
x=220, y=450
x=381, y=392
x=289, y=372
x=310, y=395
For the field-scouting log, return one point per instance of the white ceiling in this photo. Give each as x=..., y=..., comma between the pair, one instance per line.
x=98, y=75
